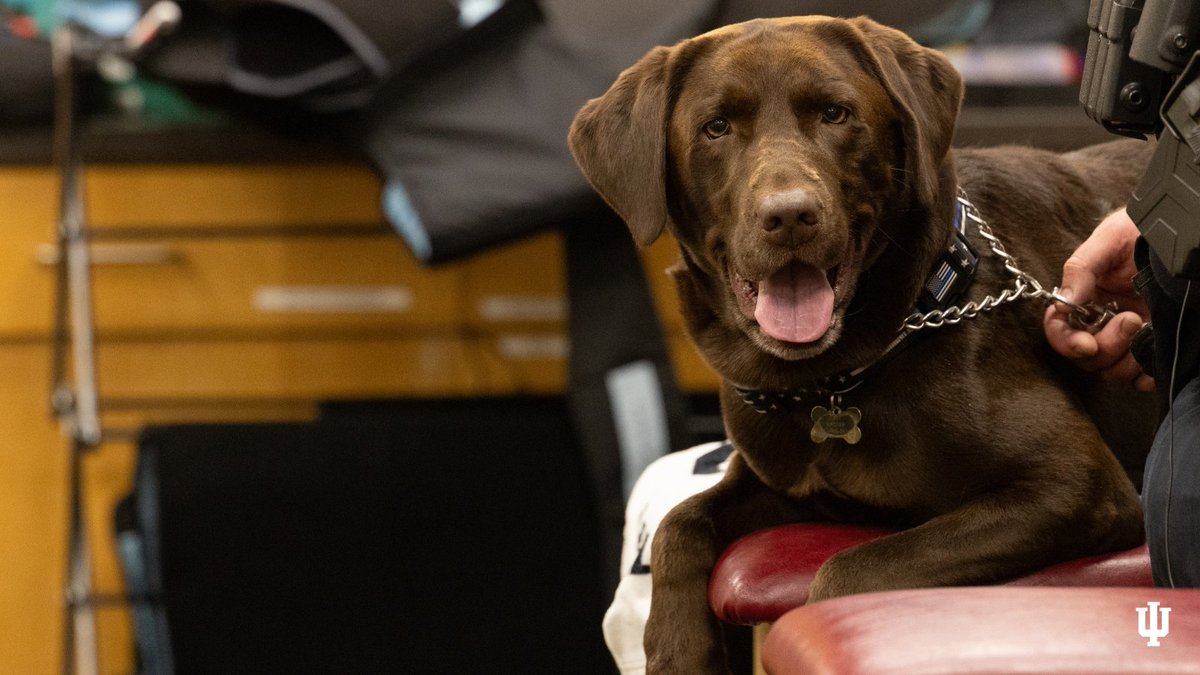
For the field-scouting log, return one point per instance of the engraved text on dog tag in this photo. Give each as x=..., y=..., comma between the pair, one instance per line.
x=836, y=423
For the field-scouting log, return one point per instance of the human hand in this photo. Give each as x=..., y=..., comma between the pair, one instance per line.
x=1101, y=271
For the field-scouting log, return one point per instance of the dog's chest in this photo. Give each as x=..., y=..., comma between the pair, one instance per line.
x=842, y=470
x=875, y=471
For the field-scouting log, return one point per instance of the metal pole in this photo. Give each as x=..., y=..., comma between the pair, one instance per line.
x=75, y=397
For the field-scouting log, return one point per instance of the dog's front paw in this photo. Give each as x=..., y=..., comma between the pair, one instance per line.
x=684, y=664
x=683, y=647
x=831, y=581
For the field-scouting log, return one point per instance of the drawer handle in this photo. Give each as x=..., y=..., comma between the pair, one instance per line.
x=332, y=299
x=530, y=307
x=48, y=255
x=533, y=347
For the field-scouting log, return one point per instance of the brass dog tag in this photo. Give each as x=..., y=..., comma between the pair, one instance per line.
x=834, y=422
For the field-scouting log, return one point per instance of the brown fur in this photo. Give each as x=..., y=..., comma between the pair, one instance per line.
x=992, y=453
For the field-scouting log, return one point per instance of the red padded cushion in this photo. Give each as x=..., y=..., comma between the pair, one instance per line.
x=986, y=630
x=765, y=574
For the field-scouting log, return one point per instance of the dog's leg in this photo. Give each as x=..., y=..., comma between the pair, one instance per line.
x=683, y=636
x=997, y=537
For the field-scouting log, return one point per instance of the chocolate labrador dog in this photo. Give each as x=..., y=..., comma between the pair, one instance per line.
x=880, y=362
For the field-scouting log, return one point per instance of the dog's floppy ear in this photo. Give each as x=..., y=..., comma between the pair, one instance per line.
x=927, y=92
x=619, y=140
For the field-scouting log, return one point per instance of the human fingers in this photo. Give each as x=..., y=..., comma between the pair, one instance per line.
x=1104, y=258
x=1065, y=339
x=1098, y=351
x=1112, y=345
x=1124, y=369
x=1127, y=369
x=1113, y=341
x=1078, y=283
x=1089, y=353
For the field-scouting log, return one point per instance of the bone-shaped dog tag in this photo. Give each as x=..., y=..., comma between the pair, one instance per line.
x=834, y=422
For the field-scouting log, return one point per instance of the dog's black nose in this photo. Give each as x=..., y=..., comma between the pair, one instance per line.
x=790, y=217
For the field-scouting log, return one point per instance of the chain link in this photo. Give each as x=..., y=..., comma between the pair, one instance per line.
x=1024, y=285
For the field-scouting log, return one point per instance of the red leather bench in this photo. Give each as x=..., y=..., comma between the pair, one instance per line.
x=764, y=575
x=996, y=629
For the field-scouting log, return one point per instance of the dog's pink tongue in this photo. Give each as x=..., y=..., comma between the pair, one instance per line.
x=795, y=304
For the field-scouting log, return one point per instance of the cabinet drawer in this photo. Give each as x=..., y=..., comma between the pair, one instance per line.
x=291, y=369
x=527, y=362
x=198, y=196
x=286, y=283
x=524, y=285
x=519, y=285
x=203, y=373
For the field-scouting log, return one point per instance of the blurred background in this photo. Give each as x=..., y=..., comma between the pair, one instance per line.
x=317, y=354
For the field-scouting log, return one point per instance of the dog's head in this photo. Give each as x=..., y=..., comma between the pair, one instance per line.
x=797, y=161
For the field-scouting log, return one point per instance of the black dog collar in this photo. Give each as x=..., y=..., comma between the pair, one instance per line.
x=954, y=272
x=822, y=390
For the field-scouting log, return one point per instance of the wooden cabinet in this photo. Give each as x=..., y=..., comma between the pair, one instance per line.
x=33, y=514
x=243, y=293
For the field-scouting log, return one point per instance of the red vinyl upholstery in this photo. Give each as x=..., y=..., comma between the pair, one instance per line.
x=766, y=574
x=998, y=629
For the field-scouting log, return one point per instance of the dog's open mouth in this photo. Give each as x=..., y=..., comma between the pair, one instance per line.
x=794, y=304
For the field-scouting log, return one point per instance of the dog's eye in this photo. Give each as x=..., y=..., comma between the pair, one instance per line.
x=716, y=127
x=835, y=114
